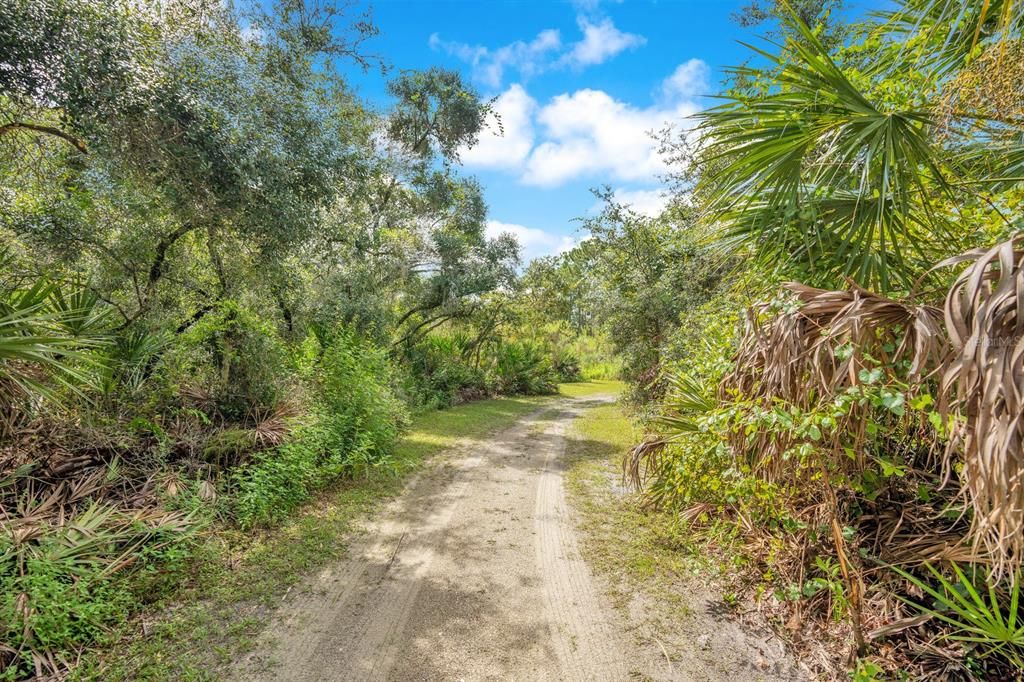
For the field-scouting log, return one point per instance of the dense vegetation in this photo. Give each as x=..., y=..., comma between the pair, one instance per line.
x=824, y=334
x=225, y=283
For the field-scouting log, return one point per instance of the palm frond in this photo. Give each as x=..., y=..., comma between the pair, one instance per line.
x=814, y=159
x=81, y=313
x=955, y=29
x=980, y=616
x=985, y=383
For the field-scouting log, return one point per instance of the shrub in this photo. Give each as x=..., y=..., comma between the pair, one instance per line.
x=355, y=423
x=979, y=609
x=356, y=406
x=233, y=358
x=523, y=367
x=441, y=373
x=275, y=483
x=54, y=606
x=565, y=365
x=61, y=560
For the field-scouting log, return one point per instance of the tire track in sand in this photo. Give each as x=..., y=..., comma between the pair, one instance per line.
x=472, y=573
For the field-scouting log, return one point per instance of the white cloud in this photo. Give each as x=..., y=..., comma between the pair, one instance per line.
x=601, y=41
x=508, y=146
x=690, y=79
x=588, y=6
x=586, y=133
x=648, y=202
x=489, y=66
x=534, y=242
x=589, y=132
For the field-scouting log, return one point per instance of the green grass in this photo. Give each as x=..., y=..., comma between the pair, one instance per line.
x=646, y=552
x=583, y=389
x=199, y=618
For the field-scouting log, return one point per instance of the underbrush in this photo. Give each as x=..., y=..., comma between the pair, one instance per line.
x=64, y=554
x=818, y=480
x=206, y=610
x=229, y=428
x=353, y=425
x=446, y=369
x=120, y=446
x=596, y=359
x=160, y=475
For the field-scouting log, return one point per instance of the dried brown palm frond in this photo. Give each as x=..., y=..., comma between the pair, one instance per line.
x=803, y=356
x=796, y=355
x=642, y=460
x=271, y=425
x=984, y=383
x=912, y=533
x=816, y=349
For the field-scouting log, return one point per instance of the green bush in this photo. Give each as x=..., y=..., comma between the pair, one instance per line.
x=566, y=366
x=59, y=604
x=355, y=422
x=356, y=407
x=233, y=357
x=63, y=571
x=694, y=472
x=523, y=367
x=441, y=372
x=276, y=482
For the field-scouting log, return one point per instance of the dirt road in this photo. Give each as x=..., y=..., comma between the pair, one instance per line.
x=472, y=573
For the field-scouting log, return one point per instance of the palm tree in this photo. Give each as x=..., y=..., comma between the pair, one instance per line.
x=44, y=337
x=822, y=168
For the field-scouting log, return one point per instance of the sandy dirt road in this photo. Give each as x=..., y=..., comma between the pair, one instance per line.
x=473, y=573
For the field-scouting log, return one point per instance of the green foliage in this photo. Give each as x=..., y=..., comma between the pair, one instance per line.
x=356, y=410
x=276, y=482
x=566, y=366
x=523, y=367
x=446, y=369
x=828, y=580
x=126, y=365
x=228, y=447
x=987, y=617
x=846, y=163
x=71, y=605
x=354, y=424
x=866, y=671
x=48, y=341
x=697, y=474
x=60, y=562
x=233, y=357
x=28, y=341
x=435, y=106
x=443, y=371
x=646, y=273
x=595, y=358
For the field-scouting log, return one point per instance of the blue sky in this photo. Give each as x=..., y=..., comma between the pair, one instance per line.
x=578, y=85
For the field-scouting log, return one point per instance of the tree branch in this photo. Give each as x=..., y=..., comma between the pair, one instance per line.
x=435, y=320
x=156, y=270
x=46, y=130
